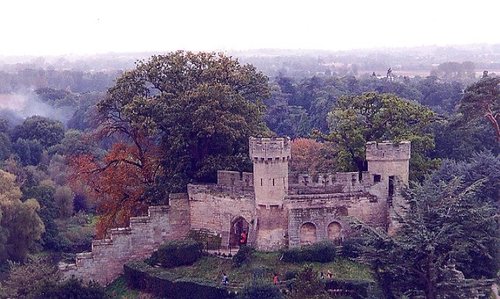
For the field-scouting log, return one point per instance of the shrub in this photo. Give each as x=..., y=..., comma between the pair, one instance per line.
x=352, y=248
x=177, y=253
x=242, y=256
x=142, y=276
x=72, y=288
x=207, y=238
x=27, y=279
x=260, y=290
x=319, y=252
x=360, y=288
x=290, y=275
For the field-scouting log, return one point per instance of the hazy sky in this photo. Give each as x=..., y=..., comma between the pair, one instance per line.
x=85, y=27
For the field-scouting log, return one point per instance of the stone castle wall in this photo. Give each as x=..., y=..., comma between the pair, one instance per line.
x=272, y=226
x=318, y=211
x=136, y=242
x=215, y=207
x=277, y=212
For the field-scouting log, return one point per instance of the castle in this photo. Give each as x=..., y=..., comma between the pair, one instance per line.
x=276, y=210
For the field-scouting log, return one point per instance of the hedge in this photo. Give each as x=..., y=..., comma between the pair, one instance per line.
x=156, y=281
x=320, y=252
x=260, y=290
x=207, y=238
x=242, y=256
x=71, y=288
x=177, y=253
x=352, y=248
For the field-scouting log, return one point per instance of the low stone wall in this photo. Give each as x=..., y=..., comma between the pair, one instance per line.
x=134, y=243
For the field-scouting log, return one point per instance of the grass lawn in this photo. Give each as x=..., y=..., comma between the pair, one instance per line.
x=263, y=265
x=119, y=289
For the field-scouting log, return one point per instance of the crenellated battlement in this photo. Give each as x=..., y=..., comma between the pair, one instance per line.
x=388, y=151
x=234, y=178
x=270, y=149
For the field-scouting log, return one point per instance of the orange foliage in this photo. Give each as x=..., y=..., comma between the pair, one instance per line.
x=311, y=156
x=117, y=183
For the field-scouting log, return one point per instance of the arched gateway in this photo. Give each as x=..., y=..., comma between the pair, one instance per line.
x=238, y=225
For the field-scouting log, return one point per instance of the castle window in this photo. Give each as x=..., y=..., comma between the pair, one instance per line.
x=391, y=186
x=377, y=178
x=261, y=182
x=273, y=182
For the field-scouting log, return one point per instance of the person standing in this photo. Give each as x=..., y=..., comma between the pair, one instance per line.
x=225, y=280
x=243, y=238
x=276, y=279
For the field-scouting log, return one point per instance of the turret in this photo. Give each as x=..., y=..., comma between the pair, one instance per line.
x=270, y=169
x=389, y=159
x=389, y=164
x=270, y=158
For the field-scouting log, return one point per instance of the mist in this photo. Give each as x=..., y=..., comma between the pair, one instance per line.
x=16, y=107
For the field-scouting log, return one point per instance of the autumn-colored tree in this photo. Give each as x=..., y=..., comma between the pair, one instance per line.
x=177, y=118
x=119, y=183
x=312, y=157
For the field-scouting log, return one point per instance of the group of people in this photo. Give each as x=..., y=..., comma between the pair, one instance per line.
x=276, y=279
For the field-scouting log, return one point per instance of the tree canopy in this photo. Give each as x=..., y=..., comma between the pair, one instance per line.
x=37, y=128
x=20, y=225
x=201, y=107
x=482, y=99
x=356, y=120
x=448, y=221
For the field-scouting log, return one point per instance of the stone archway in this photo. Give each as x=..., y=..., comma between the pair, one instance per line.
x=335, y=231
x=238, y=225
x=307, y=233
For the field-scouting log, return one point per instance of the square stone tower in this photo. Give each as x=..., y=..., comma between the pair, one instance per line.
x=389, y=160
x=270, y=158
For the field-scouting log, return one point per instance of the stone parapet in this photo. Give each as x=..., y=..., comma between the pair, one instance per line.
x=269, y=149
x=388, y=151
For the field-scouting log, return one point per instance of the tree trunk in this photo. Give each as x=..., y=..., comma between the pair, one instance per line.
x=430, y=282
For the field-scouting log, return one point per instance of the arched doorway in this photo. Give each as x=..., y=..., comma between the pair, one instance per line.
x=335, y=232
x=307, y=233
x=238, y=225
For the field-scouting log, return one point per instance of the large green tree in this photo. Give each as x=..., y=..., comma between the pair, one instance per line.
x=47, y=131
x=377, y=117
x=200, y=107
x=447, y=221
x=482, y=100
x=20, y=225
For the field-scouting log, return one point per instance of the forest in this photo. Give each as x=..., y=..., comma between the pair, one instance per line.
x=83, y=149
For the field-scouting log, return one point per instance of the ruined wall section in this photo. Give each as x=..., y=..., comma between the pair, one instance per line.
x=214, y=207
x=136, y=242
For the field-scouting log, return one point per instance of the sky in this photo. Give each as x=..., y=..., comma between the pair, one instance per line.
x=49, y=27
